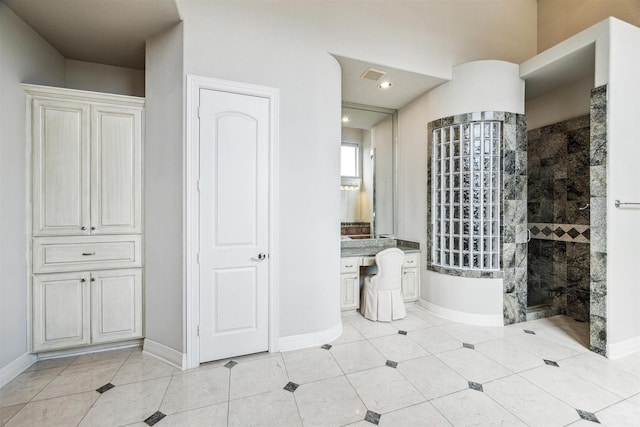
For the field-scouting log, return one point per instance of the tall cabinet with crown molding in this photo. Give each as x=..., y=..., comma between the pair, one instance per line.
x=85, y=151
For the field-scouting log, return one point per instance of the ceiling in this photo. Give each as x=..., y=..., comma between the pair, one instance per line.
x=111, y=32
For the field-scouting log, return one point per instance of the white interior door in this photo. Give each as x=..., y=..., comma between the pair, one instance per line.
x=234, y=202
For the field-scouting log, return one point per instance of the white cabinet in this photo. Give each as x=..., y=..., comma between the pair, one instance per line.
x=349, y=283
x=80, y=308
x=116, y=305
x=411, y=277
x=86, y=216
x=60, y=310
x=87, y=168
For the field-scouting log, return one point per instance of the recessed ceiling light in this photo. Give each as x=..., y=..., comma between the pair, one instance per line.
x=385, y=85
x=346, y=119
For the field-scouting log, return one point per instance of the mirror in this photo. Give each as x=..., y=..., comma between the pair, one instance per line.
x=368, y=171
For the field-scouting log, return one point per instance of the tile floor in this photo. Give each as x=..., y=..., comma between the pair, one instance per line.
x=419, y=371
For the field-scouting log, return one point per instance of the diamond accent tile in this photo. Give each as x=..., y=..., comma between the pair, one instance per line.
x=154, y=418
x=551, y=363
x=326, y=346
x=467, y=345
x=230, y=364
x=372, y=417
x=106, y=387
x=546, y=231
x=585, y=415
x=534, y=230
x=527, y=331
x=392, y=364
x=587, y=233
x=573, y=233
x=291, y=387
x=475, y=386
x=402, y=332
x=559, y=232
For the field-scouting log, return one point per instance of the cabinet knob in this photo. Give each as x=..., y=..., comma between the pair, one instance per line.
x=93, y=228
x=83, y=280
x=93, y=279
x=83, y=228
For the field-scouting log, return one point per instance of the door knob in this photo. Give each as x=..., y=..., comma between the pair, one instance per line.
x=261, y=257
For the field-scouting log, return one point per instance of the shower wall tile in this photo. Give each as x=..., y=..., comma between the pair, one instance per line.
x=598, y=219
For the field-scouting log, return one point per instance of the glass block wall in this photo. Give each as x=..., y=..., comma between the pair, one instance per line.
x=477, y=202
x=466, y=196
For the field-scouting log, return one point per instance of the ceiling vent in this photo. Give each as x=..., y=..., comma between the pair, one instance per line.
x=373, y=74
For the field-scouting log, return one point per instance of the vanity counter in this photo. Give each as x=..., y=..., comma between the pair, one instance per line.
x=373, y=250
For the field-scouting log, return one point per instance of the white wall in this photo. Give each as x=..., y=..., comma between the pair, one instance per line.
x=163, y=189
x=24, y=58
x=566, y=103
x=104, y=78
x=623, y=182
x=286, y=45
x=475, y=86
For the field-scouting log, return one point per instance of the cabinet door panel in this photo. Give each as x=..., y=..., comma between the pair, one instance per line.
x=349, y=291
x=410, y=284
x=60, y=131
x=116, y=172
x=60, y=310
x=116, y=305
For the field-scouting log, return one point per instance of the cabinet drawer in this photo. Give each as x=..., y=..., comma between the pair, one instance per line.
x=411, y=260
x=349, y=265
x=59, y=254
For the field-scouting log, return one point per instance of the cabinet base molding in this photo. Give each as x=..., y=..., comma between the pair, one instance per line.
x=314, y=339
x=165, y=353
x=461, y=316
x=97, y=348
x=15, y=368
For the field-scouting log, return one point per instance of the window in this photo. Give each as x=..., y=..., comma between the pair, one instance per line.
x=466, y=196
x=350, y=160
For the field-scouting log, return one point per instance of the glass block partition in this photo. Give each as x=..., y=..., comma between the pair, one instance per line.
x=466, y=196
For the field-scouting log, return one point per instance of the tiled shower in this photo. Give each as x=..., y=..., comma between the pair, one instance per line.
x=558, y=219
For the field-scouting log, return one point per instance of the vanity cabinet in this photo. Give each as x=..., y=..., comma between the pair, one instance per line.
x=350, y=279
x=350, y=283
x=86, y=217
x=410, y=277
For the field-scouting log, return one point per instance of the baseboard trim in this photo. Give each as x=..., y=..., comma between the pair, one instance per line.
x=314, y=339
x=165, y=353
x=15, y=368
x=461, y=316
x=623, y=348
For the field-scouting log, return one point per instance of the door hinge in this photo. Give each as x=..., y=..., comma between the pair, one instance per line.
x=198, y=330
x=198, y=112
x=198, y=257
x=198, y=185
